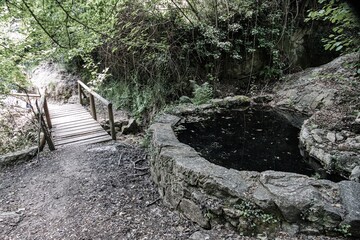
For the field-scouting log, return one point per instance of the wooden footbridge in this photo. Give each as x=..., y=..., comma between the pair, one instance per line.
x=72, y=124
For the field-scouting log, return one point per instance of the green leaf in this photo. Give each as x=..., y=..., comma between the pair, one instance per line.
x=339, y=48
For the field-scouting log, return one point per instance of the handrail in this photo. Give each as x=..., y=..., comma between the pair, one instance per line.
x=25, y=95
x=93, y=94
x=44, y=126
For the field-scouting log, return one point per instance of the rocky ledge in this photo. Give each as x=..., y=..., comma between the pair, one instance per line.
x=329, y=97
x=250, y=202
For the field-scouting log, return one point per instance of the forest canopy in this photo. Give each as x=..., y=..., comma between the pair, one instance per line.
x=142, y=54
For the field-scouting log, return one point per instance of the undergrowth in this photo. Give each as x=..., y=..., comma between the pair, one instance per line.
x=17, y=130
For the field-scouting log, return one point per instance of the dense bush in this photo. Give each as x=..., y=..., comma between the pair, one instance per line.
x=143, y=54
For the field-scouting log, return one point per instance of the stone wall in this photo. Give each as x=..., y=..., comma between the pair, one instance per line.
x=19, y=156
x=250, y=202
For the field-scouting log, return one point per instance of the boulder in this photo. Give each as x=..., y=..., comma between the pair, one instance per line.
x=336, y=151
x=19, y=156
x=131, y=128
x=350, y=195
x=355, y=174
x=327, y=96
x=299, y=197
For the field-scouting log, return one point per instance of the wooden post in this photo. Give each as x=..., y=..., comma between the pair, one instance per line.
x=47, y=135
x=80, y=94
x=47, y=114
x=111, y=121
x=92, y=106
x=43, y=125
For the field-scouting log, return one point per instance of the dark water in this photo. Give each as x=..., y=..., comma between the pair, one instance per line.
x=254, y=139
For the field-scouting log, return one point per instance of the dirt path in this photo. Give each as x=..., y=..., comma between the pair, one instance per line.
x=88, y=192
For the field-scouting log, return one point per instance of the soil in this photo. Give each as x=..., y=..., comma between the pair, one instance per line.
x=101, y=191
x=84, y=192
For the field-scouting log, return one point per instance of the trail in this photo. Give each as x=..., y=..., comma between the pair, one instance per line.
x=86, y=192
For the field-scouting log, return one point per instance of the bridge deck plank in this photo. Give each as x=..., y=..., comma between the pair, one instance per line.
x=73, y=125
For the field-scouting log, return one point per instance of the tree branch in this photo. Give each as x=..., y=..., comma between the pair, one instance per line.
x=77, y=20
x=194, y=10
x=41, y=26
x=182, y=12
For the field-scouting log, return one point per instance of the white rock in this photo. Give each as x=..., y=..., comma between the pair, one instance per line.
x=331, y=136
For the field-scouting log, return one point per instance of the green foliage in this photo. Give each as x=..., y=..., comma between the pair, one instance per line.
x=12, y=74
x=202, y=93
x=61, y=30
x=255, y=219
x=230, y=33
x=345, y=35
x=344, y=230
x=140, y=100
x=16, y=133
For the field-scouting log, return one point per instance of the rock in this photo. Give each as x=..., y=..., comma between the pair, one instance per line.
x=355, y=174
x=185, y=99
x=339, y=137
x=167, y=118
x=237, y=101
x=19, y=156
x=331, y=137
x=291, y=229
x=317, y=138
x=355, y=127
x=329, y=132
x=199, y=235
x=298, y=197
x=193, y=212
x=263, y=98
x=341, y=157
x=209, y=194
x=104, y=149
x=350, y=195
x=131, y=128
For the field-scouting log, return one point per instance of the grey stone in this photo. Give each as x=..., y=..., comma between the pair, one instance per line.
x=263, y=98
x=342, y=157
x=167, y=119
x=104, y=149
x=19, y=156
x=291, y=229
x=339, y=137
x=193, y=212
x=298, y=196
x=237, y=101
x=263, y=198
x=185, y=99
x=199, y=235
x=350, y=195
x=131, y=128
x=331, y=137
x=355, y=174
x=316, y=134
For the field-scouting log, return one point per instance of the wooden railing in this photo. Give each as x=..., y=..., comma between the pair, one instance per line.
x=42, y=109
x=92, y=94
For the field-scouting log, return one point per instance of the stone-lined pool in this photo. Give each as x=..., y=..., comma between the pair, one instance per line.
x=253, y=139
